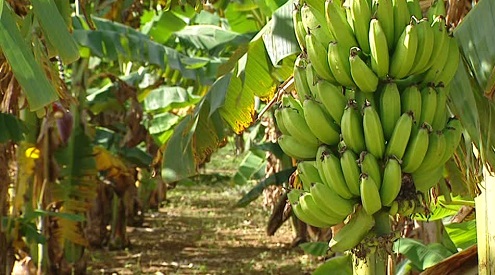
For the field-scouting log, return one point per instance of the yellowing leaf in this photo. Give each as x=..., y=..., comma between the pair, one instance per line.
x=238, y=108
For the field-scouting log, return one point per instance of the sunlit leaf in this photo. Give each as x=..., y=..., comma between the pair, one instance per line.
x=462, y=234
x=280, y=39
x=255, y=71
x=421, y=256
x=211, y=38
x=238, y=108
x=163, y=25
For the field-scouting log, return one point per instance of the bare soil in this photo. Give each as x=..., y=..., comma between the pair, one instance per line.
x=199, y=232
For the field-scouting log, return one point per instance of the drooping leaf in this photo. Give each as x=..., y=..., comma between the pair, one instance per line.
x=255, y=71
x=252, y=163
x=342, y=264
x=114, y=41
x=211, y=38
x=276, y=179
x=165, y=98
x=54, y=28
x=462, y=234
x=180, y=147
x=238, y=106
x=315, y=248
x=37, y=88
x=163, y=25
x=421, y=256
x=280, y=39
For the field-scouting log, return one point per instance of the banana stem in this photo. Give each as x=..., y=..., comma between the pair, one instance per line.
x=373, y=264
x=376, y=260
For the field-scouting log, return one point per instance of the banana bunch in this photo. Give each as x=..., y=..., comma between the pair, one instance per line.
x=369, y=121
x=370, y=40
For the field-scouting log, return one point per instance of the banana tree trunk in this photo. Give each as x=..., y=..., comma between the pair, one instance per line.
x=485, y=207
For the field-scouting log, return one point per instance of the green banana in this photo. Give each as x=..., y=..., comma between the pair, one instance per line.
x=434, y=154
x=308, y=173
x=416, y=149
x=397, y=144
x=410, y=100
x=361, y=15
x=428, y=105
x=414, y=9
x=351, y=171
x=333, y=173
x=352, y=233
x=394, y=208
x=401, y=18
x=315, y=51
x=321, y=153
x=332, y=98
x=441, y=112
x=431, y=75
x=328, y=199
x=299, y=29
x=311, y=77
x=338, y=25
x=439, y=38
x=363, y=76
x=300, y=81
x=369, y=165
x=362, y=97
x=296, y=148
x=424, y=181
x=426, y=42
x=385, y=15
x=280, y=122
x=379, y=49
x=298, y=127
x=338, y=60
x=288, y=101
x=370, y=196
x=313, y=22
x=303, y=180
x=405, y=51
x=320, y=123
x=309, y=218
x=392, y=181
x=450, y=67
x=437, y=9
x=373, y=131
x=406, y=208
x=390, y=108
x=309, y=206
x=453, y=135
x=352, y=128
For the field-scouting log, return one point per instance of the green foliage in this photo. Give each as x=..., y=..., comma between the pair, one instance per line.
x=37, y=88
x=275, y=179
x=421, y=256
x=341, y=265
x=315, y=248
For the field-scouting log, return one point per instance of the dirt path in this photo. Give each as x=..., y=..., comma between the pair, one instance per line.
x=198, y=232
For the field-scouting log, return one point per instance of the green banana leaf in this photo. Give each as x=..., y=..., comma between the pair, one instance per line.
x=342, y=264
x=315, y=248
x=472, y=88
x=114, y=41
x=276, y=179
x=253, y=162
x=37, y=88
x=421, y=256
